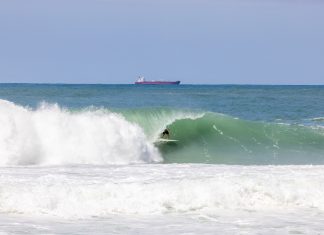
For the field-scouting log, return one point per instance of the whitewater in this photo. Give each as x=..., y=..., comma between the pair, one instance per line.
x=85, y=160
x=51, y=135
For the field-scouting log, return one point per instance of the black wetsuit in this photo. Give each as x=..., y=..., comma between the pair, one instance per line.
x=165, y=132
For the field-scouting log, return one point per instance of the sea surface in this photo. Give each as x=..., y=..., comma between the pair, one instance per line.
x=86, y=159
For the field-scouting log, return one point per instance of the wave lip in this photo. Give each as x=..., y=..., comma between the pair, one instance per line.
x=52, y=135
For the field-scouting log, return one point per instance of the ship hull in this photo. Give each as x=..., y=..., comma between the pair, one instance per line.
x=158, y=83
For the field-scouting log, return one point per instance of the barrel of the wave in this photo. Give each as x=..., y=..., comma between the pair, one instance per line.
x=142, y=81
x=221, y=139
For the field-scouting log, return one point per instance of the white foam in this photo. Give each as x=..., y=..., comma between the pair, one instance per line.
x=81, y=192
x=52, y=135
x=318, y=119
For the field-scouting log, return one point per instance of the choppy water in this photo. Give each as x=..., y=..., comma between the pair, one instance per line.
x=249, y=159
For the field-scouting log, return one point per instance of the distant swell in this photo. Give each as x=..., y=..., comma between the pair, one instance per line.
x=52, y=135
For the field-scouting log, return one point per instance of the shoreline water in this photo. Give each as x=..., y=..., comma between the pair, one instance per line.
x=178, y=198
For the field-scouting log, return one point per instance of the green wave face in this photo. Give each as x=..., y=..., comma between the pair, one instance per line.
x=220, y=139
x=154, y=121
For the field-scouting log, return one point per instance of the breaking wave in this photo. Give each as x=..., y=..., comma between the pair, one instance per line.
x=52, y=135
x=217, y=138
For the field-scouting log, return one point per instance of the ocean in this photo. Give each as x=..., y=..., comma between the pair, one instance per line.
x=85, y=159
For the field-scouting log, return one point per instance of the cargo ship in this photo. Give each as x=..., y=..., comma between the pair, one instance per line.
x=142, y=81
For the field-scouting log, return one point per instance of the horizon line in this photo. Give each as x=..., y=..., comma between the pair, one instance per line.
x=181, y=84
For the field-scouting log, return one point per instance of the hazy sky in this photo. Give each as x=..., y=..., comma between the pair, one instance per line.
x=195, y=41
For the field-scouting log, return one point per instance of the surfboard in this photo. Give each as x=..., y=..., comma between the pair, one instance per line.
x=165, y=140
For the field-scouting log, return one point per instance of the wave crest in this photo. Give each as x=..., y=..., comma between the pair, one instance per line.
x=53, y=135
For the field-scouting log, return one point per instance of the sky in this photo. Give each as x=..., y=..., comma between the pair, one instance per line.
x=195, y=41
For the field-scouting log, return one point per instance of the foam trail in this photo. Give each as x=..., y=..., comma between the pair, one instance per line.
x=52, y=135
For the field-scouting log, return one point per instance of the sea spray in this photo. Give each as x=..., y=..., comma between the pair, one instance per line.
x=53, y=135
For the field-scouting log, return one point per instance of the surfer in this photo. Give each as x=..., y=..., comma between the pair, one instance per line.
x=165, y=134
